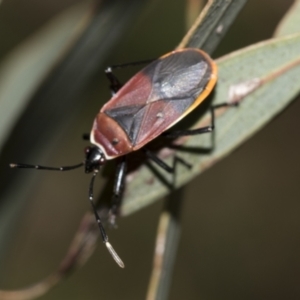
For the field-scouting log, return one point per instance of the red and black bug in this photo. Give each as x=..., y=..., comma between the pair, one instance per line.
x=151, y=102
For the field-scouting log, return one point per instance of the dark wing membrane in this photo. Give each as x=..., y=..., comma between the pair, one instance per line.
x=177, y=81
x=180, y=76
x=170, y=86
x=157, y=118
x=129, y=118
x=128, y=105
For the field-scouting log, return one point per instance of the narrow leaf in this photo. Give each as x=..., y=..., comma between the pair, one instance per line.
x=290, y=23
x=212, y=24
x=262, y=78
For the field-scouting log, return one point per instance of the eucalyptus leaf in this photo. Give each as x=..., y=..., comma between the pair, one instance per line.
x=23, y=70
x=262, y=78
x=290, y=23
x=41, y=82
x=21, y=73
x=212, y=24
x=206, y=33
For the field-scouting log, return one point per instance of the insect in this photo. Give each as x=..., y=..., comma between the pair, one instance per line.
x=152, y=101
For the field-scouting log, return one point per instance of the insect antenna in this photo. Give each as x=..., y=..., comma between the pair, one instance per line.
x=104, y=236
x=38, y=167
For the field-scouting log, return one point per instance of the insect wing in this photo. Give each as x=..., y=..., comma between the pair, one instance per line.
x=161, y=94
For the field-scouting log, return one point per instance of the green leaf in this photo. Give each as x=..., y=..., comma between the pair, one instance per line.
x=262, y=77
x=290, y=23
x=21, y=73
x=44, y=79
x=23, y=70
x=212, y=24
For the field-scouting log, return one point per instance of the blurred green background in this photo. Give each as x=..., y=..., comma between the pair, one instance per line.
x=241, y=225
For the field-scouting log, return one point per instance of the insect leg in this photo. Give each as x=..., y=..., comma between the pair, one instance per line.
x=158, y=161
x=118, y=188
x=133, y=63
x=166, y=167
x=101, y=228
x=210, y=128
x=115, y=84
